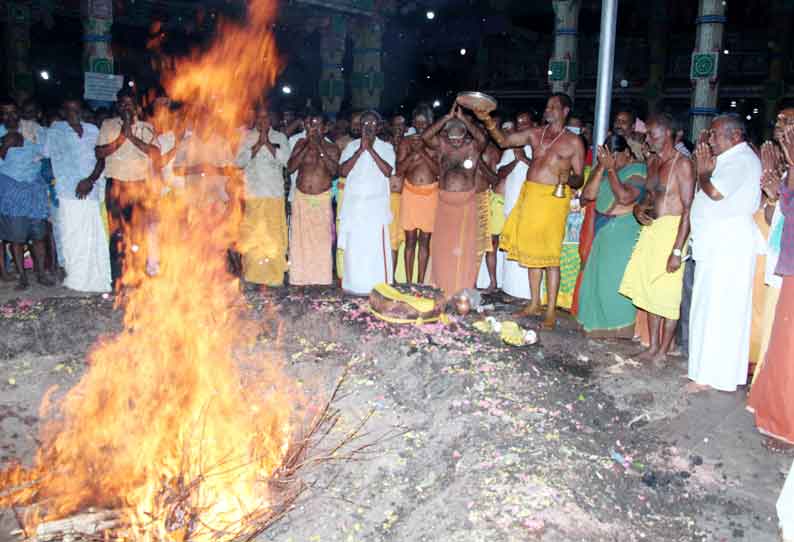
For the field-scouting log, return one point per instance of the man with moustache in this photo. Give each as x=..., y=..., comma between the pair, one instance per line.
x=534, y=231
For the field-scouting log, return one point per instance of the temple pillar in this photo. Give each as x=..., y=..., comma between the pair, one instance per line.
x=779, y=48
x=332, y=52
x=17, y=45
x=705, y=63
x=657, y=61
x=97, y=20
x=367, y=77
x=563, y=63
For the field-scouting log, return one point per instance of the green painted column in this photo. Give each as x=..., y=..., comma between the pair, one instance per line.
x=563, y=63
x=17, y=45
x=367, y=77
x=97, y=21
x=332, y=51
x=705, y=62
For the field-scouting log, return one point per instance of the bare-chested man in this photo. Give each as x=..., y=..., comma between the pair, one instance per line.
x=654, y=276
x=397, y=130
x=535, y=229
x=317, y=161
x=487, y=180
x=418, y=167
x=460, y=145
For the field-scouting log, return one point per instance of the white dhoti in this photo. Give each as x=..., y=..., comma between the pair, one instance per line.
x=84, y=244
x=722, y=297
x=514, y=277
x=785, y=507
x=364, y=221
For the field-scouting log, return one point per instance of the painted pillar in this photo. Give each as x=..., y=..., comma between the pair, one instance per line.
x=97, y=20
x=563, y=65
x=779, y=48
x=367, y=77
x=17, y=45
x=657, y=61
x=332, y=52
x=705, y=62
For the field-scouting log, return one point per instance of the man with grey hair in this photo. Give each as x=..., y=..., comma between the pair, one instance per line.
x=366, y=163
x=724, y=245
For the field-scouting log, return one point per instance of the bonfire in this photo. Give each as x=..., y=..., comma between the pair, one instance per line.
x=178, y=431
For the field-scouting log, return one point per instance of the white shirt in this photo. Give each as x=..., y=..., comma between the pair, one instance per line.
x=263, y=173
x=367, y=193
x=73, y=158
x=737, y=176
x=128, y=162
x=215, y=151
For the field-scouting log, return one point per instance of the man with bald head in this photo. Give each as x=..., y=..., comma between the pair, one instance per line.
x=724, y=245
x=460, y=145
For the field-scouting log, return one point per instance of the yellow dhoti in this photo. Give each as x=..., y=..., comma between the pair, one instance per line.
x=646, y=280
x=396, y=232
x=484, y=242
x=535, y=229
x=340, y=254
x=497, y=221
x=263, y=241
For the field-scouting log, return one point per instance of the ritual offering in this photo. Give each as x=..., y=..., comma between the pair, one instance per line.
x=510, y=332
x=476, y=101
x=406, y=303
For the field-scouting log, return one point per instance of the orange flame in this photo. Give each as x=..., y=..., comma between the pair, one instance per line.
x=176, y=423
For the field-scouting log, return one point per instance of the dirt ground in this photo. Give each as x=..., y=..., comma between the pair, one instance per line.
x=476, y=440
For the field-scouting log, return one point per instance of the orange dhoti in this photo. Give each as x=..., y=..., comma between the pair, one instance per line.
x=418, y=206
x=310, y=243
x=771, y=398
x=454, y=242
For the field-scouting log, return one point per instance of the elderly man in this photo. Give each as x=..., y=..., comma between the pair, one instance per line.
x=654, y=276
x=724, y=237
x=366, y=164
x=80, y=187
x=263, y=155
x=534, y=231
x=460, y=145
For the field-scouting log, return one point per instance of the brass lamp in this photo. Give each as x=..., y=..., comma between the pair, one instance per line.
x=559, y=190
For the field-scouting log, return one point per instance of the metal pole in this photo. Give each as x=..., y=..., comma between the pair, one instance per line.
x=606, y=63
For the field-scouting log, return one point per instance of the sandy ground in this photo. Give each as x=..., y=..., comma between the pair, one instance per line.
x=476, y=440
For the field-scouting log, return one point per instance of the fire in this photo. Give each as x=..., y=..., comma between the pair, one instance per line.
x=176, y=424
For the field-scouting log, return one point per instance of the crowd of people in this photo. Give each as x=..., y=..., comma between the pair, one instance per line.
x=688, y=248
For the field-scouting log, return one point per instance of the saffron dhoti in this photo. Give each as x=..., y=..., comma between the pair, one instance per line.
x=646, y=281
x=454, y=242
x=535, y=229
x=418, y=206
x=396, y=233
x=310, y=257
x=263, y=241
x=770, y=398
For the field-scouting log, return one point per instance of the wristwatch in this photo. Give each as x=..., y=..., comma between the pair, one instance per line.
x=677, y=252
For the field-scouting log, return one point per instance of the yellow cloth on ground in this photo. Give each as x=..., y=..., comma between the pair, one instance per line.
x=396, y=232
x=420, y=304
x=646, y=280
x=263, y=241
x=497, y=221
x=535, y=229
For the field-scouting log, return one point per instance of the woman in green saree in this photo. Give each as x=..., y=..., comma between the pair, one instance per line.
x=616, y=185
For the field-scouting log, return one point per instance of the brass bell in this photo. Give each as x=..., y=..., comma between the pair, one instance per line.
x=559, y=190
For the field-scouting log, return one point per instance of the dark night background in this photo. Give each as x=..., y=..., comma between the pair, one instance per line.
x=508, y=44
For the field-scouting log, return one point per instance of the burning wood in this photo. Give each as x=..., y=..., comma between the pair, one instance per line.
x=177, y=424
